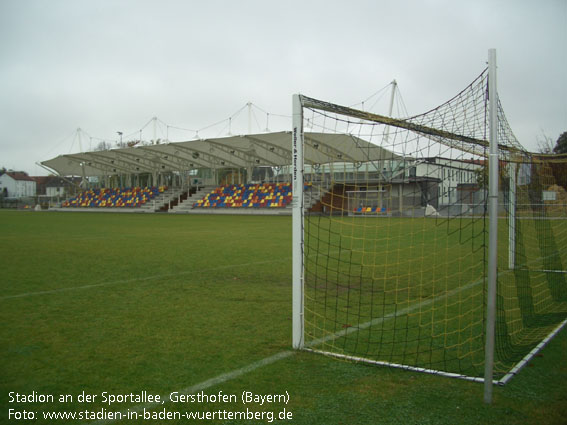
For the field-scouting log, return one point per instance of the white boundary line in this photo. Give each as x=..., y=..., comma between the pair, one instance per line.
x=401, y=366
x=220, y=379
x=138, y=279
x=531, y=354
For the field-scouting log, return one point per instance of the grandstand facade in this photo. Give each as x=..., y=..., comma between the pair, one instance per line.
x=251, y=174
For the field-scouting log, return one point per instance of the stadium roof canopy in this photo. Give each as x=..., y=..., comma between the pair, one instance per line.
x=253, y=150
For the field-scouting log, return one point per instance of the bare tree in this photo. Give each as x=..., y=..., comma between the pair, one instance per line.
x=545, y=144
x=103, y=146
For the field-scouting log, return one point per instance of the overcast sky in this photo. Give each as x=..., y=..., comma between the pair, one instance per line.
x=106, y=66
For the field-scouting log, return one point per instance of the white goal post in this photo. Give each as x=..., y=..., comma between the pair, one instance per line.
x=297, y=224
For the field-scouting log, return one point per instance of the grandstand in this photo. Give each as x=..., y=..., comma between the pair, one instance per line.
x=246, y=174
x=250, y=174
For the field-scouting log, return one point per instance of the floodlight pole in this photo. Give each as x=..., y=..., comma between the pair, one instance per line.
x=493, y=228
x=297, y=223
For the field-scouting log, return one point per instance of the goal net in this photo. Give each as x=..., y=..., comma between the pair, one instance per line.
x=369, y=200
x=391, y=238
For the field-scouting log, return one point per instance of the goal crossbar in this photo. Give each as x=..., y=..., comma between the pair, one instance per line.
x=407, y=124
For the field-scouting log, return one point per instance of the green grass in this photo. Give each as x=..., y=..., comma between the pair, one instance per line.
x=130, y=302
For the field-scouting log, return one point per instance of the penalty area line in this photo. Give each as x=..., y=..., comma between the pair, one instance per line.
x=225, y=377
x=220, y=379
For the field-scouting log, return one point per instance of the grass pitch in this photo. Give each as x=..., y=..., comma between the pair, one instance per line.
x=119, y=304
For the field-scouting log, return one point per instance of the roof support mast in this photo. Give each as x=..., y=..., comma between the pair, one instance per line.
x=154, y=119
x=79, y=138
x=392, y=97
x=394, y=84
x=249, y=104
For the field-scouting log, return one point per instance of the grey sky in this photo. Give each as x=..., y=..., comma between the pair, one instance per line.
x=108, y=66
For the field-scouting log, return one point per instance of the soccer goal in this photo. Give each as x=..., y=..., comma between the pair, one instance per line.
x=437, y=244
x=369, y=200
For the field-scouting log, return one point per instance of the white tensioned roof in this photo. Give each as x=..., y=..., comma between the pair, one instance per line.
x=265, y=149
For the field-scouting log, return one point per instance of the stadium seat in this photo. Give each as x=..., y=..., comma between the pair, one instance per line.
x=267, y=195
x=119, y=198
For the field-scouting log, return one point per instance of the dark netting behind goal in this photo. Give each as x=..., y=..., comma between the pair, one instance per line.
x=395, y=238
x=532, y=284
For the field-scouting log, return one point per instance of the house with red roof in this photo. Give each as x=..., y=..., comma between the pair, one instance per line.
x=17, y=184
